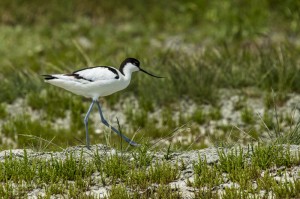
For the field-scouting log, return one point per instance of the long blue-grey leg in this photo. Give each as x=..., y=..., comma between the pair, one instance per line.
x=113, y=128
x=86, y=120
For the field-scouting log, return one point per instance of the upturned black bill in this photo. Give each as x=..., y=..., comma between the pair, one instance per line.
x=150, y=73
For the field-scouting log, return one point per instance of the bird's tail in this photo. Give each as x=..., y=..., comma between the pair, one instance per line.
x=49, y=77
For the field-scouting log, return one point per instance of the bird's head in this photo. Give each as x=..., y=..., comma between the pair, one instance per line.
x=133, y=65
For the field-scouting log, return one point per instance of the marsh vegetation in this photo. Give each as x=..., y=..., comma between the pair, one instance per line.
x=232, y=79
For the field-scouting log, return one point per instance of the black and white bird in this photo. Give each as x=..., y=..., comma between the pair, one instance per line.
x=98, y=81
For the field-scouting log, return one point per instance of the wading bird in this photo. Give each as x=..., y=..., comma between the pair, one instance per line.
x=98, y=81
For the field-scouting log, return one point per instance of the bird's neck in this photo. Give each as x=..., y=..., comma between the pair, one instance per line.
x=127, y=72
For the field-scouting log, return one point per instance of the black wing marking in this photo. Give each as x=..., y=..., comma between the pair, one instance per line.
x=112, y=70
x=77, y=76
x=76, y=73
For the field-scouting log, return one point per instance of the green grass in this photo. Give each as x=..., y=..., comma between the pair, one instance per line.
x=245, y=169
x=3, y=112
x=72, y=176
x=201, y=47
x=43, y=50
x=248, y=116
x=232, y=45
x=130, y=175
x=32, y=133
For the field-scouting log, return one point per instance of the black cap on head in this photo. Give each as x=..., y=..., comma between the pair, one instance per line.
x=130, y=60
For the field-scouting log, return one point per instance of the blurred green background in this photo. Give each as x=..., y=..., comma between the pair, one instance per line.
x=200, y=46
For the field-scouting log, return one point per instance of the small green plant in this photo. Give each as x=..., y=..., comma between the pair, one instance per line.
x=3, y=112
x=287, y=189
x=205, y=193
x=266, y=182
x=163, y=173
x=292, y=136
x=215, y=113
x=119, y=191
x=205, y=175
x=247, y=116
x=168, y=152
x=7, y=190
x=235, y=193
x=142, y=157
x=167, y=192
x=116, y=167
x=159, y=172
x=199, y=116
x=167, y=119
x=234, y=160
x=139, y=119
x=268, y=121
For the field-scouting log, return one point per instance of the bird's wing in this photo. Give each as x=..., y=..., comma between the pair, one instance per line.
x=96, y=73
